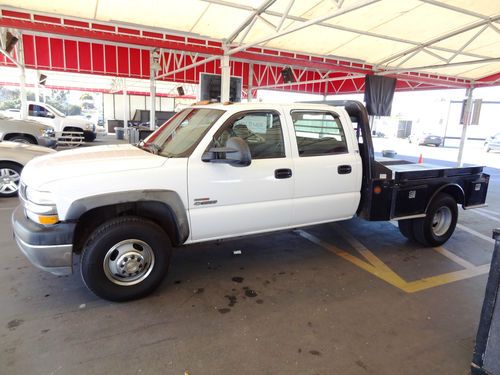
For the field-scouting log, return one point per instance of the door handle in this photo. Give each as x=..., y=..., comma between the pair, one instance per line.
x=283, y=173
x=344, y=169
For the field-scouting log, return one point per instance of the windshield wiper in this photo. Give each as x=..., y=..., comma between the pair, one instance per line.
x=149, y=147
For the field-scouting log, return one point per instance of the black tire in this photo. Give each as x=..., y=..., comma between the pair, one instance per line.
x=427, y=232
x=406, y=228
x=9, y=170
x=23, y=139
x=89, y=136
x=96, y=254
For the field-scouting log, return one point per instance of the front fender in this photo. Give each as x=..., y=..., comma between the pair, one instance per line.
x=166, y=197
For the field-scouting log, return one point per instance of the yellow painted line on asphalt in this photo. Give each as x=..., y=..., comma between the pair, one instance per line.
x=360, y=248
x=378, y=268
x=385, y=274
x=446, y=278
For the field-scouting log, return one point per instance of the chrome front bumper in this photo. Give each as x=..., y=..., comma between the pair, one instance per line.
x=49, y=248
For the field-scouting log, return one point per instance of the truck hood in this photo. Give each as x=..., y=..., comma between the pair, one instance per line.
x=86, y=162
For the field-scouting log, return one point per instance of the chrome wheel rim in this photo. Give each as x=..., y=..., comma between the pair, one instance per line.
x=128, y=262
x=9, y=181
x=441, y=221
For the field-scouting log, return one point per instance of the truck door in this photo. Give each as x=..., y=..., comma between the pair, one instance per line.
x=326, y=165
x=41, y=114
x=227, y=200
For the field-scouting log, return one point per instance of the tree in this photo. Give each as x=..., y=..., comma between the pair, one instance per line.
x=74, y=110
x=11, y=98
x=59, y=99
x=87, y=101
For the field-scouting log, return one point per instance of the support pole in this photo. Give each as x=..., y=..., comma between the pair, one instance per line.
x=154, y=64
x=250, y=83
x=125, y=105
x=467, y=118
x=447, y=122
x=37, y=87
x=22, y=79
x=225, y=77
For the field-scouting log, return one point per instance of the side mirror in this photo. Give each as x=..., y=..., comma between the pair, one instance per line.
x=50, y=115
x=236, y=152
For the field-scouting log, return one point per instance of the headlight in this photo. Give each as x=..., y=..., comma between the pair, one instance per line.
x=47, y=132
x=88, y=126
x=39, y=197
x=40, y=207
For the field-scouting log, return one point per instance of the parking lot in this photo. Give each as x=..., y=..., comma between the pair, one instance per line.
x=355, y=296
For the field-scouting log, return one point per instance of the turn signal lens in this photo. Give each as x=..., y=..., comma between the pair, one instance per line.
x=377, y=189
x=48, y=220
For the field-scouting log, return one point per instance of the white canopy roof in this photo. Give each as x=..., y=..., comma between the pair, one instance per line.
x=450, y=37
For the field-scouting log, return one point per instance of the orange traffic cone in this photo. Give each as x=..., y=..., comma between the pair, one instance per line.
x=420, y=159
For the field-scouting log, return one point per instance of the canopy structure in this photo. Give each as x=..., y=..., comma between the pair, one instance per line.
x=329, y=44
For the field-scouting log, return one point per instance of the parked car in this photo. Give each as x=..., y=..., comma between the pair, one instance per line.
x=219, y=171
x=13, y=158
x=61, y=123
x=27, y=131
x=426, y=139
x=492, y=143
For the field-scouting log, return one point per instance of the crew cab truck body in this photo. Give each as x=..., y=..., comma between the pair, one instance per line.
x=220, y=171
x=67, y=128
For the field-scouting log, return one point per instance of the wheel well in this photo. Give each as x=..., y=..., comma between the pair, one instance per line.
x=11, y=162
x=453, y=190
x=158, y=212
x=12, y=135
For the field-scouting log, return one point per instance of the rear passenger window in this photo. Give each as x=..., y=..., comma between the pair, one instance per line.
x=318, y=133
x=260, y=130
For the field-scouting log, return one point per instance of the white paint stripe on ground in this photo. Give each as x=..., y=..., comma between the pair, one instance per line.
x=453, y=257
x=491, y=217
x=6, y=208
x=475, y=233
x=487, y=211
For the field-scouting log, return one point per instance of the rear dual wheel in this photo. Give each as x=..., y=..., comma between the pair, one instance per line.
x=437, y=226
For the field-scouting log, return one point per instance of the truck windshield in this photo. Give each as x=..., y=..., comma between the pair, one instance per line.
x=179, y=136
x=54, y=110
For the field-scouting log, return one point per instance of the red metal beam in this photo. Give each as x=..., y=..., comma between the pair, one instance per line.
x=76, y=32
x=104, y=91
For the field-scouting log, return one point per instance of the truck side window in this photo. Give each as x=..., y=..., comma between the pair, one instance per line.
x=318, y=133
x=37, y=111
x=260, y=130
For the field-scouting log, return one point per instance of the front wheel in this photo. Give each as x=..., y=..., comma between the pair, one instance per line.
x=125, y=258
x=439, y=224
x=23, y=139
x=89, y=136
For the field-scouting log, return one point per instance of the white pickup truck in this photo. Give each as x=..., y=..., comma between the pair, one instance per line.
x=64, y=126
x=219, y=171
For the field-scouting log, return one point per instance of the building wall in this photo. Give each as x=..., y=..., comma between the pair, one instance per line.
x=113, y=105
